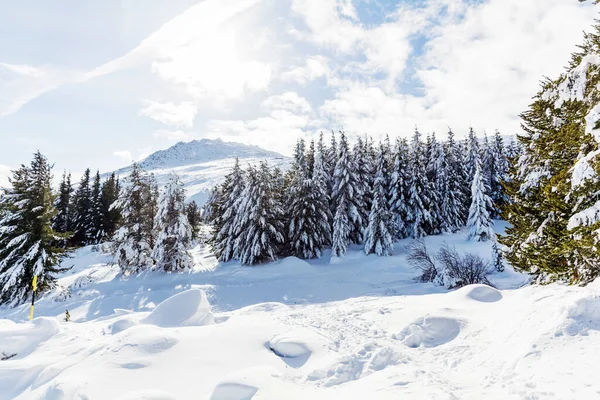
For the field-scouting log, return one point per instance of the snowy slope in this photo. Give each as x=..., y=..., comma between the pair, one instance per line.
x=202, y=164
x=355, y=329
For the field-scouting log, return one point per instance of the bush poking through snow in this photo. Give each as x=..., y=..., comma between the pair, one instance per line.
x=462, y=270
x=448, y=267
x=420, y=258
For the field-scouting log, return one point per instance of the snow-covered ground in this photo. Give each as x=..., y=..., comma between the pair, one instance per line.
x=353, y=328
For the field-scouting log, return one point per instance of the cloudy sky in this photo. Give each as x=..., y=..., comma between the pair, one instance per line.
x=102, y=83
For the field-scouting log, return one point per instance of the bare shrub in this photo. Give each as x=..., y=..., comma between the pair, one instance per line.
x=448, y=267
x=419, y=257
x=461, y=270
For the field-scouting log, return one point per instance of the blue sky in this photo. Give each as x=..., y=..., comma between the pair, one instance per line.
x=103, y=83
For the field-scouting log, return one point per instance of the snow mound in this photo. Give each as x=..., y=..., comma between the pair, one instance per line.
x=189, y=308
x=233, y=391
x=292, y=351
x=121, y=325
x=142, y=340
x=583, y=316
x=482, y=293
x=148, y=395
x=65, y=391
x=430, y=332
x=294, y=264
x=18, y=340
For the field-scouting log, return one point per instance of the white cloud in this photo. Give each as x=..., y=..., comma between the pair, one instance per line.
x=178, y=115
x=174, y=135
x=289, y=101
x=314, y=68
x=5, y=173
x=125, y=155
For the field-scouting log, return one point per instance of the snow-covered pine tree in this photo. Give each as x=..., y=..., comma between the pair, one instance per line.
x=194, y=216
x=174, y=237
x=554, y=187
x=378, y=235
x=63, y=222
x=226, y=209
x=399, y=189
x=436, y=188
x=111, y=216
x=497, y=258
x=82, y=211
x=347, y=219
x=152, y=205
x=261, y=230
x=133, y=240
x=97, y=228
x=498, y=171
x=454, y=210
x=363, y=169
x=471, y=155
x=442, y=212
x=310, y=158
x=27, y=240
x=418, y=217
x=308, y=228
x=479, y=222
x=331, y=160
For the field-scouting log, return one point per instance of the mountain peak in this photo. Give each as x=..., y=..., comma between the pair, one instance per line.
x=203, y=150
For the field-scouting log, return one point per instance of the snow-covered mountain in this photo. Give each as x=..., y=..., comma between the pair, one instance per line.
x=202, y=164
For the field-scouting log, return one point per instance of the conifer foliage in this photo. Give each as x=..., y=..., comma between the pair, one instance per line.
x=343, y=195
x=28, y=242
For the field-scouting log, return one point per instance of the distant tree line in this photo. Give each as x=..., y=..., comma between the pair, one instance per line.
x=368, y=194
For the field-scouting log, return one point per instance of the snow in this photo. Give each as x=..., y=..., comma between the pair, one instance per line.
x=189, y=308
x=587, y=217
x=583, y=170
x=359, y=328
x=573, y=86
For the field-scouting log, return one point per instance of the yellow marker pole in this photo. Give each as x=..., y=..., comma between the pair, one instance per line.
x=34, y=288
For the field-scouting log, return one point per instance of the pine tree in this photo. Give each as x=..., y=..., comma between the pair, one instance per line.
x=553, y=187
x=309, y=231
x=364, y=171
x=437, y=185
x=63, y=222
x=82, y=217
x=28, y=243
x=310, y=158
x=399, y=190
x=479, y=222
x=378, y=235
x=111, y=216
x=330, y=162
x=226, y=208
x=174, y=237
x=497, y=258
x=498, y=173
x=133, y=241
x=97, y=218
x=471, y=155
x=259, y=219
x=454, y=211
x=418, y=218
x=347, y=219
x=194, y=216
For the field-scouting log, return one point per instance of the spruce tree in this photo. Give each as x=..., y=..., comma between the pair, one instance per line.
x=399, y=190
x=174, y=237
x=348, y=217
x=111, y=216
x=479, y=222
x=308, y=229
x=437, y=186
x=471, y=155
x=63, y=222
x=97, y=218
x=28, y=243
x=498, y=173
x=378, y=235
x=363, y=169
x=194, y=216
x=454, y=211
x=261, y=230
x=82, y=211
x=310, y=158
x=133, y=241
x=226, y=208
x=418, y=218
